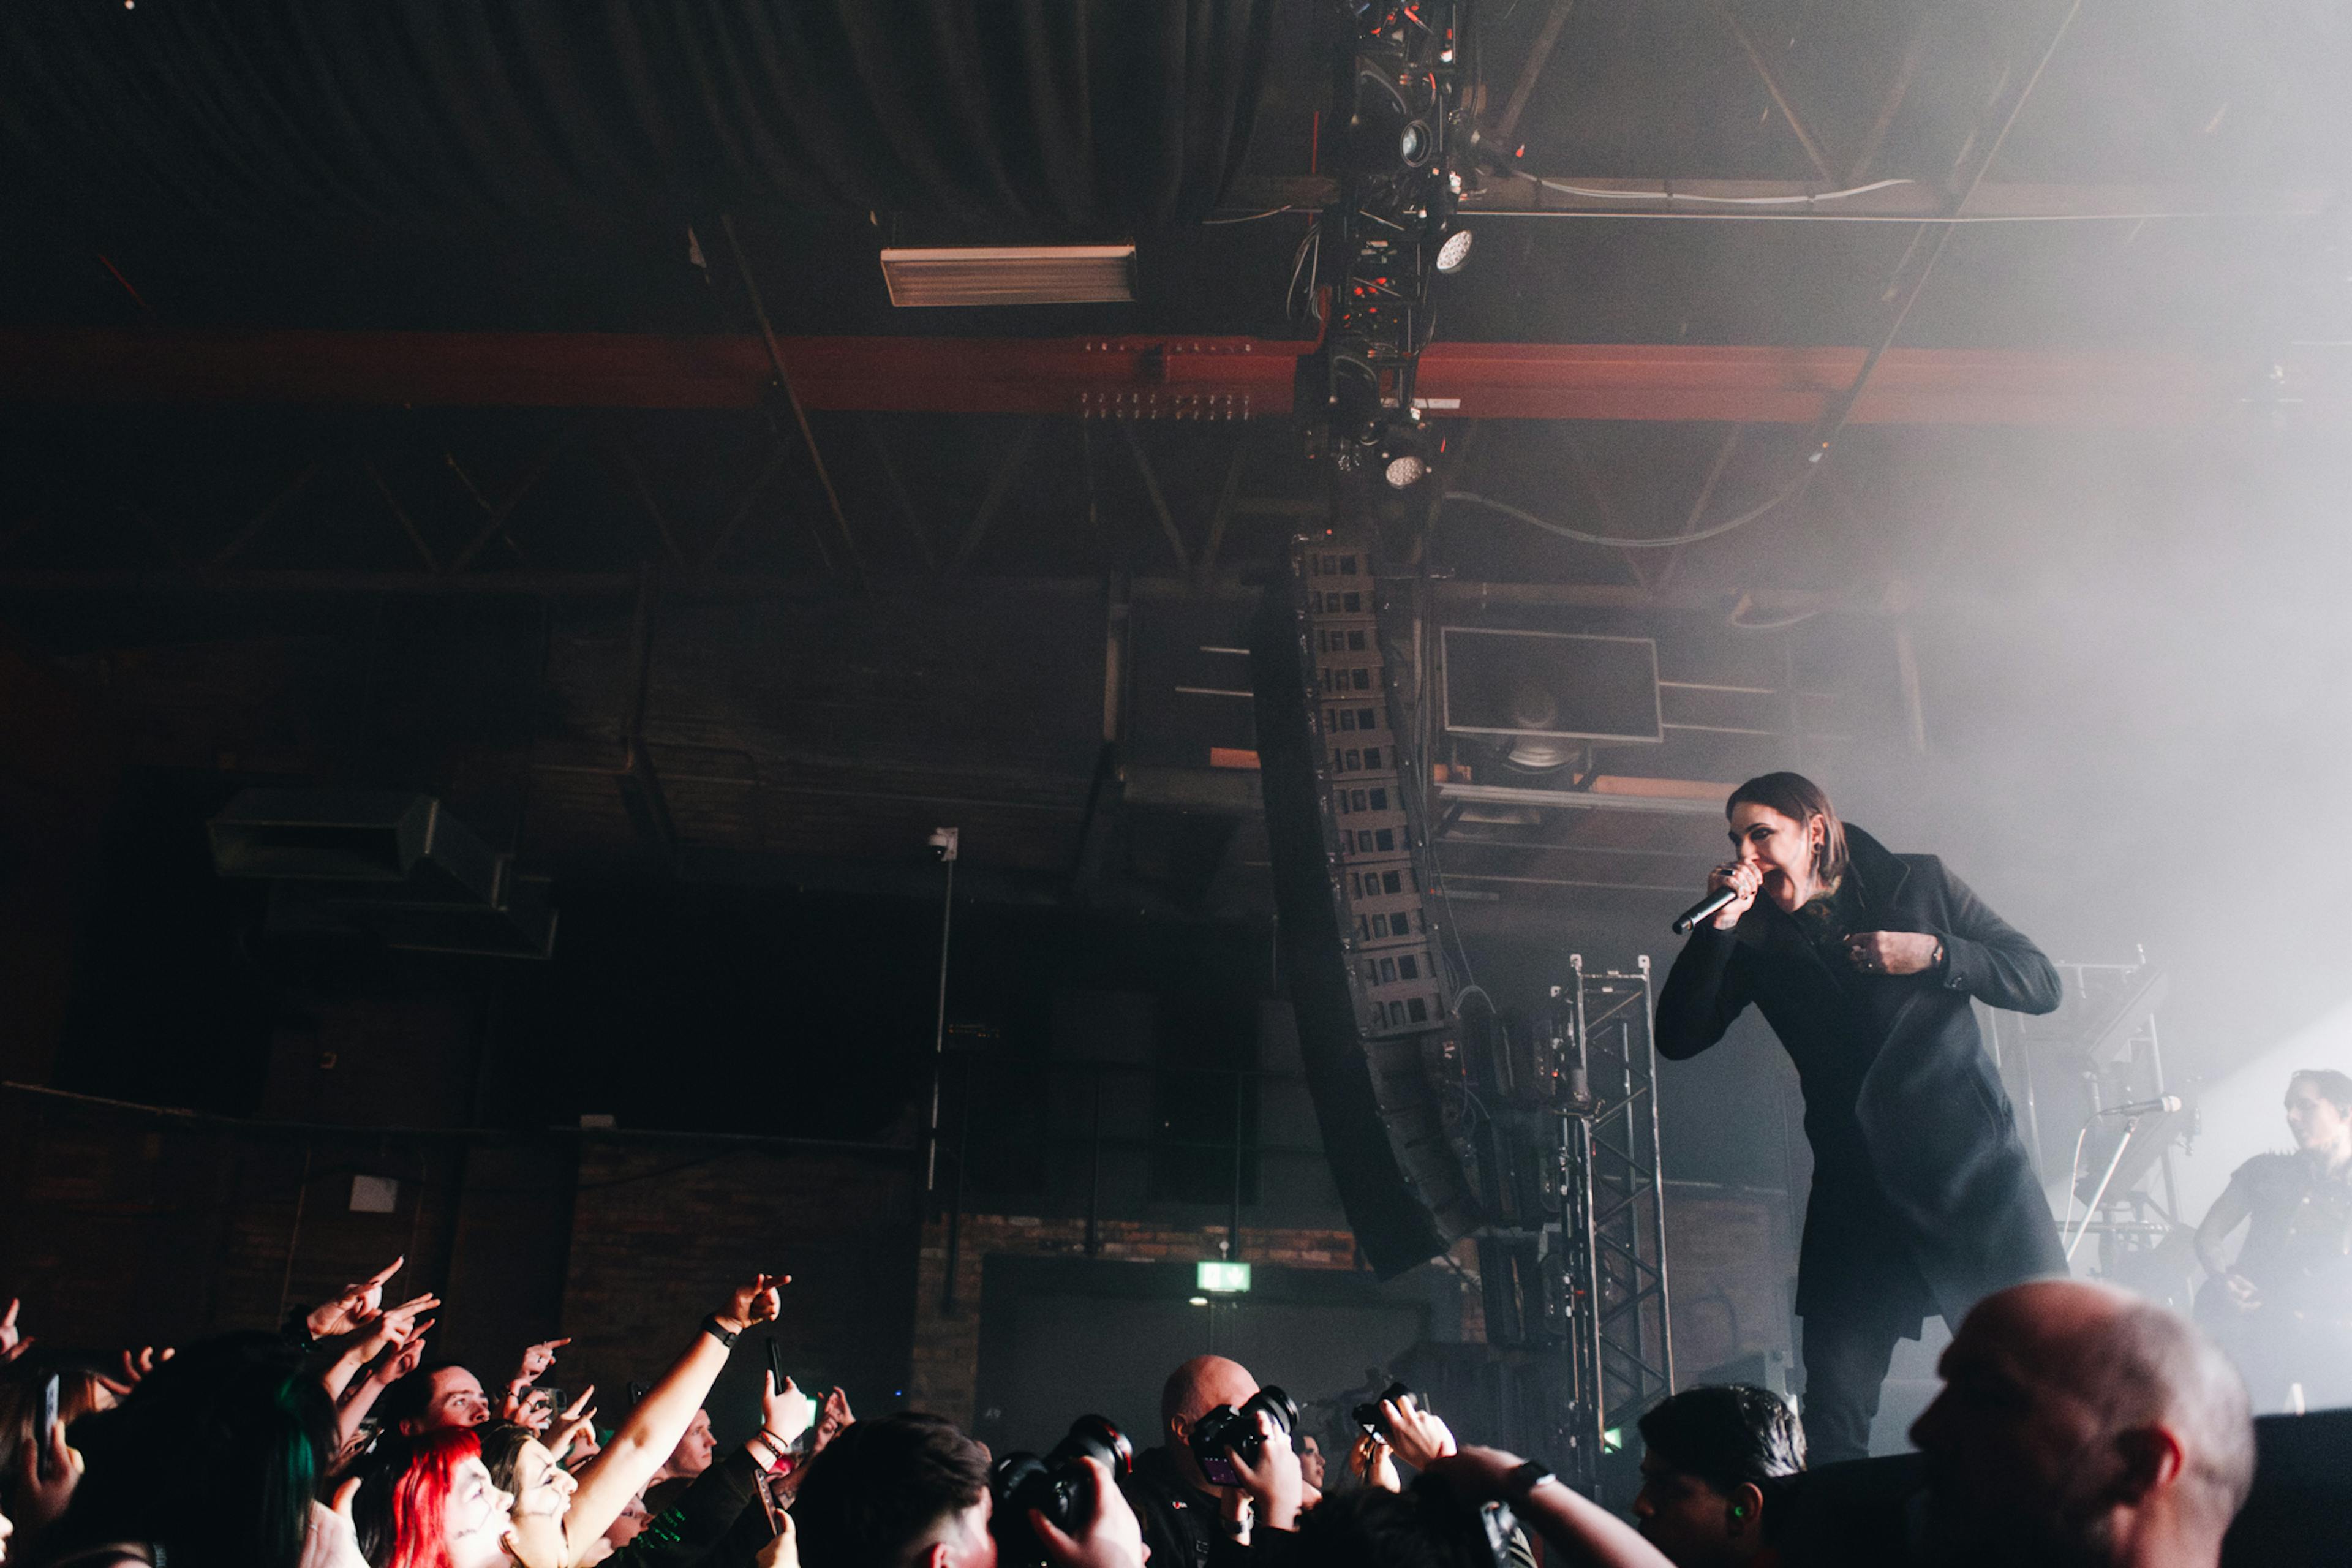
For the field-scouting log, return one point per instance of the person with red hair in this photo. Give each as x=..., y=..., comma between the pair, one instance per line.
x=429, y=1499
x=436, y=1506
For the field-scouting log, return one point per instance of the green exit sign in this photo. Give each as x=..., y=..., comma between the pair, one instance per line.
x=1226, y=1276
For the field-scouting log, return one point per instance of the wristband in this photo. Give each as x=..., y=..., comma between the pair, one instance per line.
x=1525, y=1479
x=720, y=1331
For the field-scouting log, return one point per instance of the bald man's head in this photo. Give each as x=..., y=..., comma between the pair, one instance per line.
x=2077, y=1422
x=1192, y=1391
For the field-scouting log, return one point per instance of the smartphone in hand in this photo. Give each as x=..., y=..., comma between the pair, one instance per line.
x=45, y=1434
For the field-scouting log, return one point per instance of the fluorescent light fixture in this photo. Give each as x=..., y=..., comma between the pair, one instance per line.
x=1199, y=1301
x=1010, y=275
x=1230, y=1279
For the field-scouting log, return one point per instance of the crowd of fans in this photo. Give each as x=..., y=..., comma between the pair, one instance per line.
x=2077, y=1426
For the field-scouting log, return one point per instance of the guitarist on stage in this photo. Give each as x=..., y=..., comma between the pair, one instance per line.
x=2283, y=1307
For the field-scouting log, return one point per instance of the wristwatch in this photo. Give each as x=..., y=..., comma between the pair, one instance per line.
x=720, y=1331
x=1525, y=1479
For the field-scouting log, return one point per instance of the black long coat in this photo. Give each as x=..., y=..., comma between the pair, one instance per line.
x=1923, y=1198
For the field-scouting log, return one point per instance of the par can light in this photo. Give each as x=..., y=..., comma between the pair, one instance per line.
x=1454, y=254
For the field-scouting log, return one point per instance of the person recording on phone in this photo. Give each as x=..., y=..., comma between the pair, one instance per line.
x=1864, y=962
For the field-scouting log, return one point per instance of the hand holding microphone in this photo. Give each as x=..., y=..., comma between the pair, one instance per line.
x=1730, y=890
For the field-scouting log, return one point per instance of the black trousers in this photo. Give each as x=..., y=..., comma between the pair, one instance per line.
x=1846, y=1361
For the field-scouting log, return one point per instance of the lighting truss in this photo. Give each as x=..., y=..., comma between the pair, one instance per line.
x=1612, y=1252
x=1399, y=84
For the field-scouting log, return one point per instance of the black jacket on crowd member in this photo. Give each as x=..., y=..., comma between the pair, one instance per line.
x=1923, y=1198
x=717, y=1517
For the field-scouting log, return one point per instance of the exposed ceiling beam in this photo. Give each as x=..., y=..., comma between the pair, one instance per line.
x=1149, y=377
x=756, y=586
x=1898, y=201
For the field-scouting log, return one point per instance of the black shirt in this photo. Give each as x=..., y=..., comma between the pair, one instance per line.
x=1180, y=1522
x=2298, y=1246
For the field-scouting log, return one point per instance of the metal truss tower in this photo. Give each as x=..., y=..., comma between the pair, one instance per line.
x=1611, y=1251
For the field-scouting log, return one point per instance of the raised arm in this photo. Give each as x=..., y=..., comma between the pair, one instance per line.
x=660, y=1419
x=1583, y=1531
x=1991, y=960
x=1703, y=993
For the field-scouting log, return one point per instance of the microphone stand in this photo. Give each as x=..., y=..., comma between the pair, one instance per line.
x=2131, y=1128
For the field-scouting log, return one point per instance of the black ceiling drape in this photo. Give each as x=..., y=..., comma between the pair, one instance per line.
x=1072, y=116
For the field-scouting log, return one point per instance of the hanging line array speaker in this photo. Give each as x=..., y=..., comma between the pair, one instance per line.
x=1368, y=981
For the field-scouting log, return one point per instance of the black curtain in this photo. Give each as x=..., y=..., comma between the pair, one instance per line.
x=1071, y=117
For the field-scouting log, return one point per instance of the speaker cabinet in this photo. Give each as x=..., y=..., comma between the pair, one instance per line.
x=1368, y=980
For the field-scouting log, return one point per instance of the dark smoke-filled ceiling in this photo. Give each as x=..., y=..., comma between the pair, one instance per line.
x=387, y=402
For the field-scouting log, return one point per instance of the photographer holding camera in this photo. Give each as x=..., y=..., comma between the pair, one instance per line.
x=912, y=1491
x=1190, y=1516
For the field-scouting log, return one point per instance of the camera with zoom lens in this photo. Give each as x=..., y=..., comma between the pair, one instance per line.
x=1224, y=1432
x=1369, y=1416
x=1055, y=1486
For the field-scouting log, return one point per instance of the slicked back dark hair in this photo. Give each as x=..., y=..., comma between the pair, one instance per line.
x=1799, y=799
x=883, y=1485
x=2330, y=1086
x=1726, y=1434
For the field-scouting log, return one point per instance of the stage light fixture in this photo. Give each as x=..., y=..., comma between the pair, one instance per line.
x=1009, y=275
x=1387, y=133
x=1454, y=254
x=1408, y=451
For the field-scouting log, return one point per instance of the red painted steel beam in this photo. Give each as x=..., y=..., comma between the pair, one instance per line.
x=1183, y=378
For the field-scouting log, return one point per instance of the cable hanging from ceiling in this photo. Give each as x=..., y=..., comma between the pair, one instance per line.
x=1666, y=193
x=1673, y=542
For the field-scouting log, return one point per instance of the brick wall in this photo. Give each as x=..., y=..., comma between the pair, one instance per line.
x=662, y=1231
x=125, y=1227
x=946, y=1343
x=121, y=1227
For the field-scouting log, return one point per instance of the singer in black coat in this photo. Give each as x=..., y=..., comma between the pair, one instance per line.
x=1923, y=1200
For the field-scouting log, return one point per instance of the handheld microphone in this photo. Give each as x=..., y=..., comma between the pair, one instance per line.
x=2164, y=1103
x=1707, y=907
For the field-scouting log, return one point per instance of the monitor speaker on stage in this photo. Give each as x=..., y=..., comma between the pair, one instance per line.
x=1367, y=979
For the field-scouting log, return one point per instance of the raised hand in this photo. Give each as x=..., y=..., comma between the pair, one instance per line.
x=353, y=1307
x=14, y=1342
x=134, y=1370
x=1420, y=1438
x=1111, y=1538
x=785, y=1551
x=538, y=1358
x=1371, y=1462
x=784, y=1412
x=408, y=1358
x=528, y=1406
x=579, y=1422
x=45, y=1482
x=757, y=1303
x=1743, y=878
x=1272, y=1478
x=836, y=1416
x=395, y=1325
x=333, y=1540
